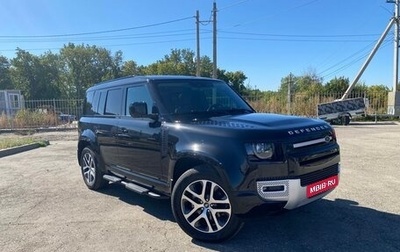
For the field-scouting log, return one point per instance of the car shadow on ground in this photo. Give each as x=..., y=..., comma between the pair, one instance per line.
x=159, y=208
x=325, y=225
x=340, y=225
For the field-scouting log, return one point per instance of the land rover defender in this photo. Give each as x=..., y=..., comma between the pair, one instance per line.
x=199, y=143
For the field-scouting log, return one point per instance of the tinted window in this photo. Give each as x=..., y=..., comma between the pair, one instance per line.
x=113, y=102
x=95, y=103
x=138, y=94
x=89, y=106
x=198, y=96
x=101, y=102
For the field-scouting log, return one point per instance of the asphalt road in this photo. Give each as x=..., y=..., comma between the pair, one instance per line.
x=45, y=206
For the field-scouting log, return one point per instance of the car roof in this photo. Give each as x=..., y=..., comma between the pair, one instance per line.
x=143, y=78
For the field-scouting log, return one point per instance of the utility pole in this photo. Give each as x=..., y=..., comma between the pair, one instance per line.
x=197, y=43
x=214, y=75
x=369, y=58
x=289, y=95
x=396, y=46
x=394, y=96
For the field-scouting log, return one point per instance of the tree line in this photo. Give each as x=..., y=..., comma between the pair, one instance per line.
x=68, y=73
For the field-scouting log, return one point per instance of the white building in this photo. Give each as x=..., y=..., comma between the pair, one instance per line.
x=11, y=101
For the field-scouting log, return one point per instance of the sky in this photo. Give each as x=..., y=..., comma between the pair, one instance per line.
x=266, y=39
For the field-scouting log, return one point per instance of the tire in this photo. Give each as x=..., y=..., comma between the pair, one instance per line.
x=202, y=206
x=346, y=120
x=91, y=172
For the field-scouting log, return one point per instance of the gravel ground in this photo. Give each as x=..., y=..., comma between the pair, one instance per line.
x=53, y=135
x=45, y=206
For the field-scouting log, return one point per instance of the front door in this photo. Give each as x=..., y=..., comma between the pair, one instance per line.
x=138, y=138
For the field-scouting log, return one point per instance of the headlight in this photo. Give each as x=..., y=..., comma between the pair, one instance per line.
x=260, y=150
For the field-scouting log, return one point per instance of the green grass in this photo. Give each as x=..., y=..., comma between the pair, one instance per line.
x=6, y=143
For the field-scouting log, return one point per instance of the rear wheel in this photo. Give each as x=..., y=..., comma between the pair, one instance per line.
x=345, y=120
x=91, y=172
x=202, y=206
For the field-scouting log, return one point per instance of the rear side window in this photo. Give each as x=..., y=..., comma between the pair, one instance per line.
x=96, y=106
x=113, y=102
x=101, y=102
x=89, y=106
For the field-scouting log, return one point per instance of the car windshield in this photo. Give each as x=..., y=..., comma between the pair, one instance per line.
x=200, y=97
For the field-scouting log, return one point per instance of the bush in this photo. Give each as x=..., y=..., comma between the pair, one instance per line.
x=29, y=119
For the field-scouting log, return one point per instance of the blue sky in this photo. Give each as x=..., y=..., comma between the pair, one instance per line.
x=266, y=39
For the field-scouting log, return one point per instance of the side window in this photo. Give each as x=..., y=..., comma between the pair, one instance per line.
x=113, y=102
x=101, y=102
x=138, y=95
x=98, y=103
x=89, y=106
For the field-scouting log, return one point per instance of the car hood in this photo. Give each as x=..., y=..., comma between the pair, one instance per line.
x=274, y=124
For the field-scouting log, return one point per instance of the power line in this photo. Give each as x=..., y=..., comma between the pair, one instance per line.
x=233, y=4
x=299, y=35
x=112, y=45
x=351, y=63
x=99, y=38
x=296, y=40
x=347, y=58
x=98, y=32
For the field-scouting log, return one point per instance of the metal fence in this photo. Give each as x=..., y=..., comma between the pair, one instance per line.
x=305, y=104
x=56, y=113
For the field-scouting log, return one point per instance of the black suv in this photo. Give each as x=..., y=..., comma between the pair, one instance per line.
x=198, y=142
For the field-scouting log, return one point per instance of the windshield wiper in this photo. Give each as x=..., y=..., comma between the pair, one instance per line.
x=239, y=111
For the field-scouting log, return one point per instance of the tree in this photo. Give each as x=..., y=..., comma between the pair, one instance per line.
x=378, y=98
x=87, y=65
x=206, y=66
x=336, y=87
x=130, y=67
x=290, y=80
x=50, y=77
x=38, y=77
x=5, y=80
x=178, y=62
x=25, y=73
x=236, y=79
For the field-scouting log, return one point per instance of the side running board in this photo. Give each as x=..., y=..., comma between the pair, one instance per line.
x=132, y=186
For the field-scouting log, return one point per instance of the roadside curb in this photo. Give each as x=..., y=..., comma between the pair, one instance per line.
x=19, y=149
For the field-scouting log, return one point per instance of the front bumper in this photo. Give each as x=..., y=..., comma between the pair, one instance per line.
x=289, y=191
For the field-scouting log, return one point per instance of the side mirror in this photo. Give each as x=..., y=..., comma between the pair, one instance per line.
x=138, y=109
x=154, y=113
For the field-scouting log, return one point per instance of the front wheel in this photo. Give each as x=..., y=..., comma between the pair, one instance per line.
x=202, y=207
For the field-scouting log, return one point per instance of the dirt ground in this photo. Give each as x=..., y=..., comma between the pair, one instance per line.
x=45, y=206
x=53, y=135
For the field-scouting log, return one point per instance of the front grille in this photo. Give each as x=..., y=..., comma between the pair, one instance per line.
x=313, y=177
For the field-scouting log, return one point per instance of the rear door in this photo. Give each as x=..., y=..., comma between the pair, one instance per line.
x=108, y=112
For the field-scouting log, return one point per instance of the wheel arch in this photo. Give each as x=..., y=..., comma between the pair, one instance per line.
x=86, y=139
x=188, y=161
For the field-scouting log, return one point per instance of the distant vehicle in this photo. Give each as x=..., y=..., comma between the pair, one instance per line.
x=197, y=142
x=342, y=111
x=66, y=117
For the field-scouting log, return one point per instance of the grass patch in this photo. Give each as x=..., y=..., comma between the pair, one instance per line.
x=6, y=143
